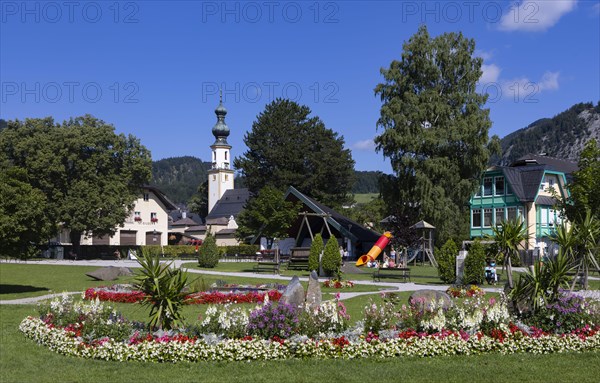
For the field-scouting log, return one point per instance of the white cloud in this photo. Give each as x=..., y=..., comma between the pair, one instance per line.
x=366, y=145
x=535, y=15
x=523, y=89
x=483, y=54
x=490, y=73
x=549, y=81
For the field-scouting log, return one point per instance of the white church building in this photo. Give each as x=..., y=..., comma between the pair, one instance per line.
x=224, y=201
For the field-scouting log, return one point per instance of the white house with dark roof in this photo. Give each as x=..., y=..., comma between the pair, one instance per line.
x=148, y=223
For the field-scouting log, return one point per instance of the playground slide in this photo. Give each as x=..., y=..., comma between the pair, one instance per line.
x=375, y=250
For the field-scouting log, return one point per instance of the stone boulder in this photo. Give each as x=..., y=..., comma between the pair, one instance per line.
x=294, y=293
x=109, y=273
x=424, y=298
x=313, y=293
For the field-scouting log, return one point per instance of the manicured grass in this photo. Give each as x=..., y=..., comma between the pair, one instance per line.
x=22, y=360
x=21, y=280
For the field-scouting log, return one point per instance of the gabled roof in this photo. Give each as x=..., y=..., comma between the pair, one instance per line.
x=231, y=204
x=196, y=228
x=344, y=225
x=525, y=180
x=185, y=222
x=553, y=163
x=161, y=196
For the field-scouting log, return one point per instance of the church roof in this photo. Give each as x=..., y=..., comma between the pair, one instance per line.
x=231, y=204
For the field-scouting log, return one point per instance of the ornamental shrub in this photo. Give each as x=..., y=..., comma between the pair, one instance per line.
x=209, y=252
x=273, y=320
x=474, y=264
x=329, y=317
x=446, y=259
x=332, y=261
x=316, y=248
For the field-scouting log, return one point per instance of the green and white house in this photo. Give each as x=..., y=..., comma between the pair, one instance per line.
x=521, y=191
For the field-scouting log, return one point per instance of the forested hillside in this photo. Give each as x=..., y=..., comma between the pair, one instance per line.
x=179, y=177
x=562, y=136
x=366, y=182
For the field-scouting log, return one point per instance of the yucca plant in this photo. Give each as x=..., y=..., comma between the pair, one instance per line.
x=541, y=283
x=163, y=288
x=509, y=237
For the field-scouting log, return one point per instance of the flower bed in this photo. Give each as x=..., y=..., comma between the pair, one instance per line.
x=337, y=284
x=462, y=291
x=472, y=325
x=176, y=348
x=214, y=297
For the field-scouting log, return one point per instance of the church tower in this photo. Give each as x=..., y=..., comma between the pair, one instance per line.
x=220, y=176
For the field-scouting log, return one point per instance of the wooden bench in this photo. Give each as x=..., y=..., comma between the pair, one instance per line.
x=392, y=272
x=267, y=266
x=298, y=264
x=298, y=258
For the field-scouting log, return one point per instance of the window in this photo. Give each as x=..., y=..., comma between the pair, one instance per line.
x=476, y=217
x=499, y=181
x=153, y=217
x=225, y=156
x=137, y=216
x=146, y=196
x=508, y=190
x=511, y=213
x=487, y=217
x=499, y=216
x=226, y=177
x=487, y=186
x=544, y=216
x=551, y=217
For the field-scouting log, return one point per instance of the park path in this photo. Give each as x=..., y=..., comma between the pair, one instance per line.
x=384, y=286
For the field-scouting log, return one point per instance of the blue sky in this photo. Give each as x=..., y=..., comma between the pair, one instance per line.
x=153, y=68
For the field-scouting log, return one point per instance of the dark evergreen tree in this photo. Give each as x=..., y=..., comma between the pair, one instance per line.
x=287, y=147
x=474, y=264
x=332, y=260
x=209, y=252
x=446, y=259
x=316, y=248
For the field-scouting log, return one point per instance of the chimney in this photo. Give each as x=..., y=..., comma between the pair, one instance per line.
x=183, y=215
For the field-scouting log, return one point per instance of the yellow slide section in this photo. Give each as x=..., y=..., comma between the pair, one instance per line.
x=375, y=250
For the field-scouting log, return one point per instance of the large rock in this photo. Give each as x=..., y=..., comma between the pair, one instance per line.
x=109, y=273
x=424, y=298
x=294, y=293
x=313, y=293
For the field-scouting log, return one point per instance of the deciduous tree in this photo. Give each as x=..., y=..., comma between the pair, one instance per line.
x=435, y=129
x=267, y=214
x=89, y=175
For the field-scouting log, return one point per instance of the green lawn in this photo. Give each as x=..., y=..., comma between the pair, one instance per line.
x=365, y=197
x=22, y=360
x=21, y=280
